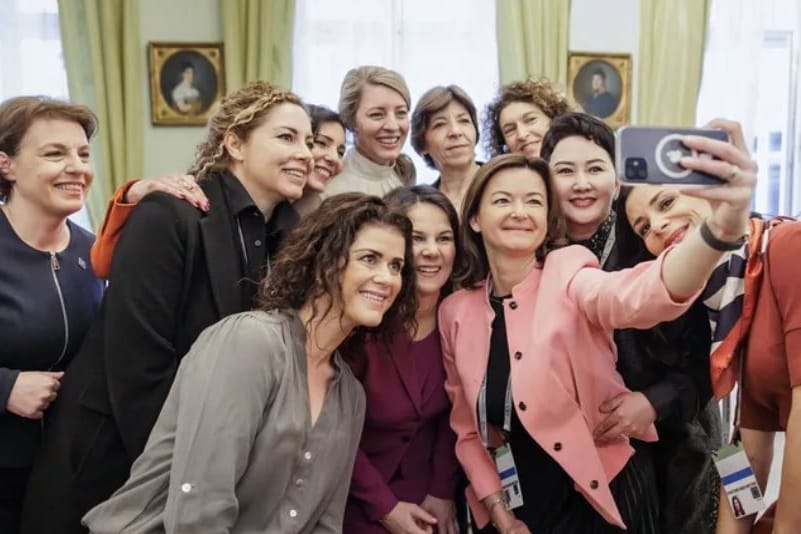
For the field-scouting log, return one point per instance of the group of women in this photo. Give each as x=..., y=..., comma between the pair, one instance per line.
x=295, y=338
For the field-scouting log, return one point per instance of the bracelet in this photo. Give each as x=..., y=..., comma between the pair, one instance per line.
x=492, y=504
x=715, y=243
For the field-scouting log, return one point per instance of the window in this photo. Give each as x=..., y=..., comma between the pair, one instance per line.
x=750, y=74
x=429, y=43
x=32, y=58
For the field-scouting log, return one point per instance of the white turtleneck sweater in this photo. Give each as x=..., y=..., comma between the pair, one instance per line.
x=363, y=176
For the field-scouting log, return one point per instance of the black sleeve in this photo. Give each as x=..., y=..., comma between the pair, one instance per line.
x=685, y=387
x=141, y=308
x=8, y=377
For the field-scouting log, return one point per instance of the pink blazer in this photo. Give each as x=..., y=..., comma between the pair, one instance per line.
x=559, y=325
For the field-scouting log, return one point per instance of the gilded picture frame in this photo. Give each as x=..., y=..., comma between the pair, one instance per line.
x=600, y=83
x=187, y=81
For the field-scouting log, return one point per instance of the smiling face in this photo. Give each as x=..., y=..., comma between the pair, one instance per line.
x=512, y=216
x=585, y=183
x=434, y=247
x=523, y=126
x=50, y=172
x=372, y=277
x=275, y=160
x=661, y=216
x=328, y=152
x=382, y=124
x=450, y=137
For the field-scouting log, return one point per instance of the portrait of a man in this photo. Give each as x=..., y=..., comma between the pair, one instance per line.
x=600, y=83
x=601, y=103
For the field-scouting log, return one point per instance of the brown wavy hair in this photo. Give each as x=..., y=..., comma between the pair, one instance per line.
x=542, y=92
x=475, y=267
x=239, y=112
x=315, y=254
x=19, y=113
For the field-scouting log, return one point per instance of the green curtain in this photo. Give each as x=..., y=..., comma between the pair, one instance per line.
x=104, y=64
x=532, y=39
x=672, y=37
x=258, y=41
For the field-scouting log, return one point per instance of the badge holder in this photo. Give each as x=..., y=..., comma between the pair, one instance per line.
x=736, y=474
x=505, y=463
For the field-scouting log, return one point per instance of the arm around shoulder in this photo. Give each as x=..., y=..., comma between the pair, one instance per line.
x=116, y=215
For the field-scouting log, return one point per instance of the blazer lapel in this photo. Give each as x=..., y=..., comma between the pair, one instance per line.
x=404, y=361
x=222, y=256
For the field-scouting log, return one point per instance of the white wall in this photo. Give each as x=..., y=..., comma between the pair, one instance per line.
x=608, y=26
x=172, y=148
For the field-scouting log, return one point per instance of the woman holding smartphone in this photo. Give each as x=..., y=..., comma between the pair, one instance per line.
x=665, y=367
x=528, y=348
x=754, y=301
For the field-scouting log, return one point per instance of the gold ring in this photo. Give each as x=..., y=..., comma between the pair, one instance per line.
x=187, y=185
x=734, y=171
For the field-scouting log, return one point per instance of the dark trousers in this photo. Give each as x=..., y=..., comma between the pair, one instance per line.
x=12, y=491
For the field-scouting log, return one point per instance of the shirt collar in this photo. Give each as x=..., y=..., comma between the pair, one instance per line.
x=284, y=216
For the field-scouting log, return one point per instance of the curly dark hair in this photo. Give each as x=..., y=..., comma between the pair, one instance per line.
x=315, y=254
x=476, y=263
x=543, y=93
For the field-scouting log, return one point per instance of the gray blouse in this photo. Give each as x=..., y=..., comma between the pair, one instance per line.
x=233, y=449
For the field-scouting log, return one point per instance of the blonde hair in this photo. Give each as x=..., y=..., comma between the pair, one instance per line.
x=239, y=113
x=350, y=95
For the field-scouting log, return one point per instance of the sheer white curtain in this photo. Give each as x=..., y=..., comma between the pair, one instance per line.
x=429, y=42
x=750, y=74
x=31, y=60
x=31, y=56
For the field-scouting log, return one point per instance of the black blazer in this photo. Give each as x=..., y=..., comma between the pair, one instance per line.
x=175, y=271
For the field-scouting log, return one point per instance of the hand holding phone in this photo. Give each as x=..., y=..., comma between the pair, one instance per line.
x=648, y=155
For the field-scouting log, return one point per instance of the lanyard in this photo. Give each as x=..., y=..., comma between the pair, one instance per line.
x=482, y=410
x=482, y=398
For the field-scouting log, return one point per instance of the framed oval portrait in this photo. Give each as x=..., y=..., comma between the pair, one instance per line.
x=601, y=85
x=186, y=82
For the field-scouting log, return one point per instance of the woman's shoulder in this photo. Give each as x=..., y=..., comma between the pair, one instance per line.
x=567, y=261
x=460, y=298
x=256, y=335
x=784, y=246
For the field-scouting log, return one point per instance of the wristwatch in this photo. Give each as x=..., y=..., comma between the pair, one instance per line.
x=723, y=246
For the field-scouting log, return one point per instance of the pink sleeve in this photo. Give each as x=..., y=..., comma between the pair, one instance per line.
x=475, y=460
x=630, y=298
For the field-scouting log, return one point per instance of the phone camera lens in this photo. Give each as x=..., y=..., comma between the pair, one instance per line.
x=636, y=169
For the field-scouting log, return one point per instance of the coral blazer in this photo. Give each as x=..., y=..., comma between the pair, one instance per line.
x=559, y=325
